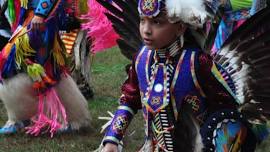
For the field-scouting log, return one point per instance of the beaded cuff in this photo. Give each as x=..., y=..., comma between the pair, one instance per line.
x=121, y=120
x=45, y=7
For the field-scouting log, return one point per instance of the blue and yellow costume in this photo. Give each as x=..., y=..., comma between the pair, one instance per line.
x=162, y=87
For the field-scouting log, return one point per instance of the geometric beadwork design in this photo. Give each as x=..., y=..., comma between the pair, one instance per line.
x=120, y=124
x=149, y=7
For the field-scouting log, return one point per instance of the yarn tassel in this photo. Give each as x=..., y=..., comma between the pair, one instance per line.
x=51, y=115
x=24, y=4
x=23, y=48
x=37, y=73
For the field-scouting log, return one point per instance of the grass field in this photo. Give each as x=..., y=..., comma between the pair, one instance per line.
x=108, y=73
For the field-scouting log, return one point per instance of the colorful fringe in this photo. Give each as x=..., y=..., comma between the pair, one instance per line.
x=20, y=38
x=58, y=51
x=14, y=7
x=23, y=48
x=37, y=73
x=51, y=115
x=99, y=27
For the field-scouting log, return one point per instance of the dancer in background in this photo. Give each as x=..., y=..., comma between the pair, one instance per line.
x=77, y=47
x=38, y=93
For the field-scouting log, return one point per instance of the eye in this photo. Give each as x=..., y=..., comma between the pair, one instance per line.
x=142, y=20
x=157, y=22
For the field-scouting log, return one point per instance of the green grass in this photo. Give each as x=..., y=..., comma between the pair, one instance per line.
x=108, y=73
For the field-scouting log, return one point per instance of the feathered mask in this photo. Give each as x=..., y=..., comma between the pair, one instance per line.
x=188, y=11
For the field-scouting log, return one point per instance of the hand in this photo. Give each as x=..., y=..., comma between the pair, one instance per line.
x=37, y=23
x=110, y=148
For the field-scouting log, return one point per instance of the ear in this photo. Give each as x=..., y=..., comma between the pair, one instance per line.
x=181, y=29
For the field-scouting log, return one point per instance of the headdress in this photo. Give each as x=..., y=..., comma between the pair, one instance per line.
x=188, y=11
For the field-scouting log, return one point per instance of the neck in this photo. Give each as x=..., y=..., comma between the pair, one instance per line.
x=170, y=51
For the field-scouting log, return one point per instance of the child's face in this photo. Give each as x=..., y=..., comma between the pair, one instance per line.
x=158, y=32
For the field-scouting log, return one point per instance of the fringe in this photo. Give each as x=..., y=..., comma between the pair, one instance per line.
x=51, y=115
x=58, y=52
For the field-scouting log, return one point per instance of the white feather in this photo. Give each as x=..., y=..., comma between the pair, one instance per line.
x=189, y=11
x=5, y=33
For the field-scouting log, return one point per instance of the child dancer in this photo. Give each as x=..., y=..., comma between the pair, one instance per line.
x=186, y=103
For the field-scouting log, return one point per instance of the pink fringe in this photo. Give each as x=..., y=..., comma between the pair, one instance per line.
x=51, y=115
x=99, y=28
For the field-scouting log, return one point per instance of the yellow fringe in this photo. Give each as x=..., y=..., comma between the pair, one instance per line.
x=23, y=48
x=57, y=52
x=24, y=3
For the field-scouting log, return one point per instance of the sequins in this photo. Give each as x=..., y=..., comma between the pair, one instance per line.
x=158, y=87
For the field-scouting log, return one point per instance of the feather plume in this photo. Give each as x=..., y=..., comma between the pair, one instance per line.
x=124, y=17
x=99, y=27
x=191, y=12
x=245, y=55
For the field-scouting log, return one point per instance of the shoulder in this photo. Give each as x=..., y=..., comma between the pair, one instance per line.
x=142, y=52
x=201, y=58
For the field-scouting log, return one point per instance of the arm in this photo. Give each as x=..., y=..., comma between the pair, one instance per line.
x=217, y=91
x=46, y=7
x=129, y=104
x=43, y=11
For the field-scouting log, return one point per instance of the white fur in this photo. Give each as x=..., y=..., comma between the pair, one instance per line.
x=21, y=102
x=18, y=97
x=74, y=102
x=189, y=11
x=198, y=141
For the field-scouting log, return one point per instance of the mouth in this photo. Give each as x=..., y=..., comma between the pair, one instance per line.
x=147, y=41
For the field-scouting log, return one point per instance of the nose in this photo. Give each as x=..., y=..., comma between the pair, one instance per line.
x=147, y=30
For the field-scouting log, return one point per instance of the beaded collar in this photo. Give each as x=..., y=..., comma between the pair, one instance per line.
x=169, y=52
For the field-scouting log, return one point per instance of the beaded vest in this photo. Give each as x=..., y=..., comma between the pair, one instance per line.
x=166, y=80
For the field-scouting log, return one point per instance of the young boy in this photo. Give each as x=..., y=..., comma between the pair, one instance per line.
x=186, y=105
x=35, y=85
